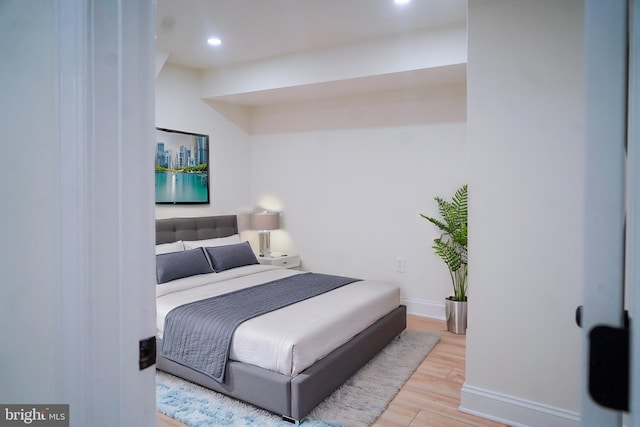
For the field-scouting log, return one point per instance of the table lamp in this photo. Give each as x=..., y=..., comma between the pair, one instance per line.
x=264, y=222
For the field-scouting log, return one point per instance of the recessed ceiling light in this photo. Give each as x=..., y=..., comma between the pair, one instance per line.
x=401, y=1
x=214, y=42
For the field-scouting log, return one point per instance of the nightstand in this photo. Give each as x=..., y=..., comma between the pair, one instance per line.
x=282, y=260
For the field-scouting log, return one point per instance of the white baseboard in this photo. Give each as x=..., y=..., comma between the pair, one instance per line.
x=513, y=411
x=424, y=308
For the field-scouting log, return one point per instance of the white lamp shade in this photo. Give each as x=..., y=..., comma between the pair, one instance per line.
x=265, y=221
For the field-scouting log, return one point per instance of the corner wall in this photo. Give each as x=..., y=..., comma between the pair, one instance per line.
x=179, y=106
x=526, y=138
x=349, y=174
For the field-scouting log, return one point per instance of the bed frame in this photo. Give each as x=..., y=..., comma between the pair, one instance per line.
x=291, y=397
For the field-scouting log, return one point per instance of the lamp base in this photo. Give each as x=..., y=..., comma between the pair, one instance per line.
x=265, y=243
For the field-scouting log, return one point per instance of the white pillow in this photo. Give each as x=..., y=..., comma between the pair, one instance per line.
x=166, y=248
x=220, y=241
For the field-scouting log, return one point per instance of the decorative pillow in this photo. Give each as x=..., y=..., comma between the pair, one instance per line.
x=166, y=248
x=231, y=256
x=177, y=265
x=220, y=241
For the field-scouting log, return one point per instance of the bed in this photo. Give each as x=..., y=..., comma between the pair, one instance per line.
x=287, y=360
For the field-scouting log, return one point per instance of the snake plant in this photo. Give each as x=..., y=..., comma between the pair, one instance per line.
x=451, y=246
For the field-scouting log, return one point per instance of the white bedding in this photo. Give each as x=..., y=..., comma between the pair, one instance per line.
x=292, y=338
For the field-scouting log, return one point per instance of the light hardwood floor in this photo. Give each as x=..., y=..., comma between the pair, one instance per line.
x=430, y=398
x=432, y=395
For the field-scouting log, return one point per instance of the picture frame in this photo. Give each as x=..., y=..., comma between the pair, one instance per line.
x=181, y=167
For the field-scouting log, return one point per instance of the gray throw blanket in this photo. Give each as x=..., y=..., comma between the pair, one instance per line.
x=198, y=334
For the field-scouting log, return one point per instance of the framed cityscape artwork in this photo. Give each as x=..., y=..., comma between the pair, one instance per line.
x=182, y=167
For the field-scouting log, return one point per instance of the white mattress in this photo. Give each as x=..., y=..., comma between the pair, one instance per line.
x=292, y=338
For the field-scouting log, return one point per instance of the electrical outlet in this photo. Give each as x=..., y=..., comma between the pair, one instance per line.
x=400, y=265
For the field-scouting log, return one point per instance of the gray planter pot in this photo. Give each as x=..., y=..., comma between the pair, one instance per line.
x=456, y=312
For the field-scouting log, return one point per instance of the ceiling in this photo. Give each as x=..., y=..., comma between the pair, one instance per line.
x=254, y=30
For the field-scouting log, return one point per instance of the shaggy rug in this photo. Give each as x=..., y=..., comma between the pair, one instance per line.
x=357, y=403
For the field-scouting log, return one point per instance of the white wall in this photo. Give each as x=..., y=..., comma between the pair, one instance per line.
x=390, y=108
x=350, y=176
x=179, y=106
x=29, y=298
x=526, y=150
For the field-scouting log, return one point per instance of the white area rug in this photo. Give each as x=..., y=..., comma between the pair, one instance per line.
x=357, y=403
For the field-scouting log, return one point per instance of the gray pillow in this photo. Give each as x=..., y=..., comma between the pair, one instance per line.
x=231, y=256
x=177, y=265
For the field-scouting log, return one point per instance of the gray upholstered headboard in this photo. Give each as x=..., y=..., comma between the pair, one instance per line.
x=199, y=228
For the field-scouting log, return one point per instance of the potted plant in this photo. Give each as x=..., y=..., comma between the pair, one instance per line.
x=451, y=246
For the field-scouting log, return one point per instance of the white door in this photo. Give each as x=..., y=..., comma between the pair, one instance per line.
x=634, y=211
x=610, y=185
x=106, y=82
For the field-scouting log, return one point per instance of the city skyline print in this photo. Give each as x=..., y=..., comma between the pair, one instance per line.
x=181, y=167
